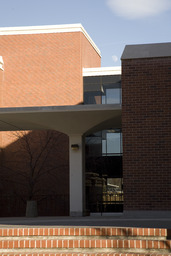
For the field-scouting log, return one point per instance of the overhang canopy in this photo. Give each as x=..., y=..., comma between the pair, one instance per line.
x=79, y=119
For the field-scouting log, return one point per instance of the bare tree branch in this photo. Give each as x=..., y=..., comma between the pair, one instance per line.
x=33, y=152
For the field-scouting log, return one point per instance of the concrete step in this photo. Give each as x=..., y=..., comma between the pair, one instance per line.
x=80, y=254
x=82, y=237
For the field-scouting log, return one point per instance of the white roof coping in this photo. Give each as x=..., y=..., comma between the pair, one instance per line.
x=48, y=29
x=102, y=71
x=1, y=63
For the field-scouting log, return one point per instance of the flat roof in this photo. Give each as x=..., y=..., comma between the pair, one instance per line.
x=147, y=51
x=25, y=30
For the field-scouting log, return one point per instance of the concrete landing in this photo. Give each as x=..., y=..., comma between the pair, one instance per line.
x=96, y=221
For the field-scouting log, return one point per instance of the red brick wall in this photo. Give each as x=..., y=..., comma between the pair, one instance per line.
x=1, y=81
x=45, y=69
x=89, y=58
x=146, y=123
x=41, y=70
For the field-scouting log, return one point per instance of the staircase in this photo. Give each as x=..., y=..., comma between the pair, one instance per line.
x=84, y=241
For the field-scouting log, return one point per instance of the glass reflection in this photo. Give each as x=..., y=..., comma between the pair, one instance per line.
x=104, y=183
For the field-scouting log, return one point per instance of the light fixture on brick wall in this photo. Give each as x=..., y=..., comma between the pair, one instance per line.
x=74, y=146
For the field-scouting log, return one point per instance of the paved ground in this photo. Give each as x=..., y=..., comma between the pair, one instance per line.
x=117, y=221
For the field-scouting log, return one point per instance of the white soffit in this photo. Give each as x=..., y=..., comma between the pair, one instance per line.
x=61, y=118
x=102, y=71
x=48, y=29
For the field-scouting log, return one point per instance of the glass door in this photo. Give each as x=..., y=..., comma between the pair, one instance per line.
x=104, y=183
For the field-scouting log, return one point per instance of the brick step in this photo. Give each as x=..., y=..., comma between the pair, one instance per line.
x=84, y=231
x=85, y=243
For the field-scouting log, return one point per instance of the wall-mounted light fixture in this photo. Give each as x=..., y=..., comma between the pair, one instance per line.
x=74, y=146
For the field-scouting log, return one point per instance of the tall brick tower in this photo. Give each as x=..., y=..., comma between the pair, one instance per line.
x=146, y=125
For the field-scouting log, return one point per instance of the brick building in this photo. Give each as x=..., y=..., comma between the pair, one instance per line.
x=146, y=124
x=109, y=144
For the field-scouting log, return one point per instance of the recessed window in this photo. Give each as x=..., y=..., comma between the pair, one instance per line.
x=102, y=90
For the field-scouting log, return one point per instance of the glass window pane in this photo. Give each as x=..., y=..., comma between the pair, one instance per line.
x=103, y=99
x=113, y=96
x=103, y=146
x=121, y=144
x=113, y=143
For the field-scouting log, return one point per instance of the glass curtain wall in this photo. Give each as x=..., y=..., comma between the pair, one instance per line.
x=102, y=90
x=104, y=182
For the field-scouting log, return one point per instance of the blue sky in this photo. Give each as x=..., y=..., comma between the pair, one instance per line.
x=112, y=24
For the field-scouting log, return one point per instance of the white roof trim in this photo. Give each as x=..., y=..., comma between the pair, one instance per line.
x=1, y=63
x=102, y=71
x=48, y=29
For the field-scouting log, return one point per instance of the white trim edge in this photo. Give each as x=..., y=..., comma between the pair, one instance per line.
x=48, y=29
x=102, y=71
x=1, y=63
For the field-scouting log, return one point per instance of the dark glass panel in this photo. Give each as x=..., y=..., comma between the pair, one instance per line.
x=104, y=172
x=107, y=88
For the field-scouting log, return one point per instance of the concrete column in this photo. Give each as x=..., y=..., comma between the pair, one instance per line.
x=76, y=175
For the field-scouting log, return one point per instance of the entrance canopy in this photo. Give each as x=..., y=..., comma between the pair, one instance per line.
x=77, y=119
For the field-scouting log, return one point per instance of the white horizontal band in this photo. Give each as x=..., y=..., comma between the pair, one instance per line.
x=102, y=71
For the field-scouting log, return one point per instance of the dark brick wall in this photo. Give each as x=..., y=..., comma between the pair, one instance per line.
x=37, y=159
x=146, y=124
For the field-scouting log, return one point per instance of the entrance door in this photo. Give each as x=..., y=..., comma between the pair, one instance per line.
x=104, y=182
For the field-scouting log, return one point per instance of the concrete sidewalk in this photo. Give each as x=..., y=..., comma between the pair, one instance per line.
x=97, y=221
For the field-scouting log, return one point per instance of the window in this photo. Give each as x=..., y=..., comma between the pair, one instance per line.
x=111, y=142
x=102, y=90
x=112, y=96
